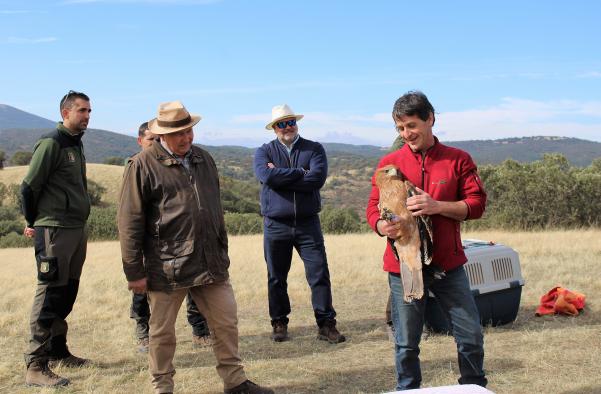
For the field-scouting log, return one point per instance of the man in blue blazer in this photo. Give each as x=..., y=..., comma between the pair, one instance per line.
x=292, y=170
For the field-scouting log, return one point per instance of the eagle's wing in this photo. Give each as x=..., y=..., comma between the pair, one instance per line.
x=424, y=225
x=407, y=246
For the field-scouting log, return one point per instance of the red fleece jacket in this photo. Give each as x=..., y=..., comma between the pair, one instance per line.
x=446, y=174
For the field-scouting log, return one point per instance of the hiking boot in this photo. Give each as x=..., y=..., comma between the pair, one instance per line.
x=328, y=332
x=70, y=361
x=248, y=387
x=280, y=332
x=143, y=345
x=202, y=341
x=39, y=374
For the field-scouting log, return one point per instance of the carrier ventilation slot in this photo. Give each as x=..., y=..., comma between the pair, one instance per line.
x=502, y=269
x=474, y=273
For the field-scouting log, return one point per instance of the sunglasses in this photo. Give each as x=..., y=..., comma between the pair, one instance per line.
x=68, y=95
x=283, y=123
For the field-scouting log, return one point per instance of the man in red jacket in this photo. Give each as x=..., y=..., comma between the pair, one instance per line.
x=449, y=191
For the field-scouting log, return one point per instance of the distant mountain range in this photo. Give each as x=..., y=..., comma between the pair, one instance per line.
x=19, y=130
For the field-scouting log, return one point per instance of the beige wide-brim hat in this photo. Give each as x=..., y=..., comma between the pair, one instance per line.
x=172, y=117
x=280, y=112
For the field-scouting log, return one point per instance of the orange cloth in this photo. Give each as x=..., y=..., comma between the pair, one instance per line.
x=561, y=300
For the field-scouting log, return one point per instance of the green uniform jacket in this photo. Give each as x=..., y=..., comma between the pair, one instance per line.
x=55, y=189
x=171, y=225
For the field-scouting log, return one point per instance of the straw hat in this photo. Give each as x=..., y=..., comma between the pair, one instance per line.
x=280, y=112
x=172, y=117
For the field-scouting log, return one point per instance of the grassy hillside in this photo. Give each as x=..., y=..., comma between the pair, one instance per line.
x=533, y=355
x=98, y=144
x=106, y=175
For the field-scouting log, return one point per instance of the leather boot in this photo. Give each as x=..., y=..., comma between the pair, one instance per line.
x=39, y=374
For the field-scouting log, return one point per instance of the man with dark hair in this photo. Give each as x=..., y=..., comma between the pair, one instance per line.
x=449, y=191
x=292, y=170
x=140, y=311
x=56, y=206
x=174, y=242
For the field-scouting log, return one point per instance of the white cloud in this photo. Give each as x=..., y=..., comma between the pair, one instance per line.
x=590, y=74
x=24, y=40
x=512, y=117
x=168, y=2
x=13, y=12
x=520, y=118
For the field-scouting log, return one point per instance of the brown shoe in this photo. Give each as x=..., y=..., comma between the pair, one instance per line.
x=202, y=341
x=70, y=361
x=328, y=332
x=39, y=374
x=143, y=345
x=280, y=332
x=248, y=387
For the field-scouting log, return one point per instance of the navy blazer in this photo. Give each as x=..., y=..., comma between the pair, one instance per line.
x=291, y=190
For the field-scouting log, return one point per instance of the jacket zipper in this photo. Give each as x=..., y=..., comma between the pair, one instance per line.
x=424, y=172
x=198, y=206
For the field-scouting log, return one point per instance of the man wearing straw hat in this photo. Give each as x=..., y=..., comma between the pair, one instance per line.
x=140, y=310
x=173, y=241
x=292, y=170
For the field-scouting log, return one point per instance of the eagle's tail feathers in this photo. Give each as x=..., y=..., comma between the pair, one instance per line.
x=413, y=283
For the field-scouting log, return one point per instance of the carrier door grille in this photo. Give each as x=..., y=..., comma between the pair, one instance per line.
x=474, y=273
x=502, y=269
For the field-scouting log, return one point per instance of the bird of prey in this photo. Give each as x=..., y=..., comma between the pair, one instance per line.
x=413, y=246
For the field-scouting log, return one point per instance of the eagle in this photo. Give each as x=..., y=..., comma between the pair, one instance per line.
x=413, y=246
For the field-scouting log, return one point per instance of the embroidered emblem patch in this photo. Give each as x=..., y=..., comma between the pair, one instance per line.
x=44, y=267
x=440, y=182
x=71, y=157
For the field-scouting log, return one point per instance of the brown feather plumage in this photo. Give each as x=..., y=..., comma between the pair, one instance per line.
x=393, y=206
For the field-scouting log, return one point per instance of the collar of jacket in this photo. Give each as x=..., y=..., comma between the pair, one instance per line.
x=297, y=143
x=429, y=152
x=63, y=130
x=167, y=160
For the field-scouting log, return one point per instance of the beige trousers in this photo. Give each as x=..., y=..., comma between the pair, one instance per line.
x=217, y=303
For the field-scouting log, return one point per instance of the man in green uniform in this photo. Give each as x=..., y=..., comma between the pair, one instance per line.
x=56, y=207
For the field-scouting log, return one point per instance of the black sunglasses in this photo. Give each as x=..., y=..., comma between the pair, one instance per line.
x=283, y=123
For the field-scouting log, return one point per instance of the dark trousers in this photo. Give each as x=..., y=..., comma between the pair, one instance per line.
x=304, y=235
x=140, y=312
x=60, y=254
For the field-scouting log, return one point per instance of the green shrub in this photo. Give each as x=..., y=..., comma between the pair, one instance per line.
x=243, y=223
x=11, y=226
x=340, y=221
x=95, y=191
x=114, y=160
x=14, y=240
x=102, y=224
x=21, y=158
x=3, y=192
x=14, y=195
x=9, y=213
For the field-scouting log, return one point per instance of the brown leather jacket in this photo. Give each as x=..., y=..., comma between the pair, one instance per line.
x=171, y=225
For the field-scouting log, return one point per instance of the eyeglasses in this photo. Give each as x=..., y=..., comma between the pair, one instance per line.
x=283, y=123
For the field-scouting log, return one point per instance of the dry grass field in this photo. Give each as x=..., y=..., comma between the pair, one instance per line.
x=106, y=175
x=553, y=354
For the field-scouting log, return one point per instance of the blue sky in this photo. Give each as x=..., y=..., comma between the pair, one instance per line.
x=491, y=69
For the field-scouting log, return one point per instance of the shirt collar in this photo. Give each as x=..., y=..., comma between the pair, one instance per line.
x=164, y=145
x=289, y=148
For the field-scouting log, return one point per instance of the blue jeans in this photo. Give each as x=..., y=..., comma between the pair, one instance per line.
x=455, y=298
x=304, y=235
